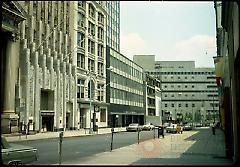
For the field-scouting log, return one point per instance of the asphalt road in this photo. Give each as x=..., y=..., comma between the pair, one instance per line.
x=84, y=146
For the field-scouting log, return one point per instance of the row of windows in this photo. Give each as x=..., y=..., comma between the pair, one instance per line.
x=193, y=95
x=125, y=95
x=121, y=80
x=179, y=86
x=118, y=64
x=187, y=105
x=126, y=60
x=182, y=73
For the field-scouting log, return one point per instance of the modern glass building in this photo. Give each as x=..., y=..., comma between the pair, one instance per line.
x=125, y=90
x=113, y=24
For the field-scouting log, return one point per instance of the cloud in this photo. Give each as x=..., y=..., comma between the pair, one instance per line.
x=133, y=44
x=200, y=48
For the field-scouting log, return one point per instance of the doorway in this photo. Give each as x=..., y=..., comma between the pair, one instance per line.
x=47, y=123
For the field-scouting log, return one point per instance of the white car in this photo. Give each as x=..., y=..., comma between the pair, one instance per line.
x=133, y=127
x=172, y=128
x=148, y=126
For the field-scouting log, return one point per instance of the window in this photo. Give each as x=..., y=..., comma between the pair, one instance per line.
x=91, y=11
x=80, y=40
x=100, y=92
x=179, y=105
x=102, y=115
x=80, y=88
x=193, y=105
x=186, y=105
x=100, y=68
x=81, y=20
x=80, y=60
x=100, y=50
x=192, y=86
x=185, y=86
x=91, y=65
x=178, y=77
x=165, y=105
x=172, y=104
x=100, y=33
x=91, y=46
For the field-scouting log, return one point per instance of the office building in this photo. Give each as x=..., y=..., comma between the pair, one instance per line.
x=89, y=40
x=189, y=94
x=113, y=24
x=124, y=90
x=46, y=85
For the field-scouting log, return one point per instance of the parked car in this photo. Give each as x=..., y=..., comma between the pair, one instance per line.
x=148, y=126
x=172, y=128
x=187, y=127
x=15, y=154
x=133, y=127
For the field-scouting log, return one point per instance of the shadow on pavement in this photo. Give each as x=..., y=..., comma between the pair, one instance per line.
x=205, y=149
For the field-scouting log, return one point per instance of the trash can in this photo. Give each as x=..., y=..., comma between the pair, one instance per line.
x=95, y=128
x=160, y=131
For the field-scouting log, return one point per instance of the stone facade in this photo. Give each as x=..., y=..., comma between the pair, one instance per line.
x=46, y=98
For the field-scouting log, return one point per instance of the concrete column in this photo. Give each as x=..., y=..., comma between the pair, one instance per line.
x=11, y=71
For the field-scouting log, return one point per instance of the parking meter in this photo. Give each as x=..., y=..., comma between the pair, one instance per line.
x=112, y=130
x=60, y=146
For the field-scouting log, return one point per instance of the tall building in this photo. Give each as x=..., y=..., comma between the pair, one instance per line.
x=189, y=94
x=228, y=73
x=45, y=89
x=124, y=90
x=113, y=24
x=88, y=34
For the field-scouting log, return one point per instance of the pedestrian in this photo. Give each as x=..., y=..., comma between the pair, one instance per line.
x=213, y=129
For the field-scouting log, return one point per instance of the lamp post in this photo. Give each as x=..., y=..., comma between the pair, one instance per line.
x=90, y=103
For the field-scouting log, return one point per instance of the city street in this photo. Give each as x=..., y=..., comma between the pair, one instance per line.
x=84, y=146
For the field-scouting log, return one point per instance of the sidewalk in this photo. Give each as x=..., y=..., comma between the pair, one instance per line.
x=68, y=133
x=197, y=147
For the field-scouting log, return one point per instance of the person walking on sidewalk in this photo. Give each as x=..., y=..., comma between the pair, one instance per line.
x=160, y=131
x=213, y=128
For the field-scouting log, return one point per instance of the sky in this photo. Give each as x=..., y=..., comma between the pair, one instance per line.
x=172, y=31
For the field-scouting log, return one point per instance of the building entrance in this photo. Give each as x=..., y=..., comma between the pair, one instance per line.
x=47, y=123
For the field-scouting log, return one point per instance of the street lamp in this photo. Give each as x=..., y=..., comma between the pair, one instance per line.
x=90, y=98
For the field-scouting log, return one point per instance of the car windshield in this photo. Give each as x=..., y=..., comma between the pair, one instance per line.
x=133, y=125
